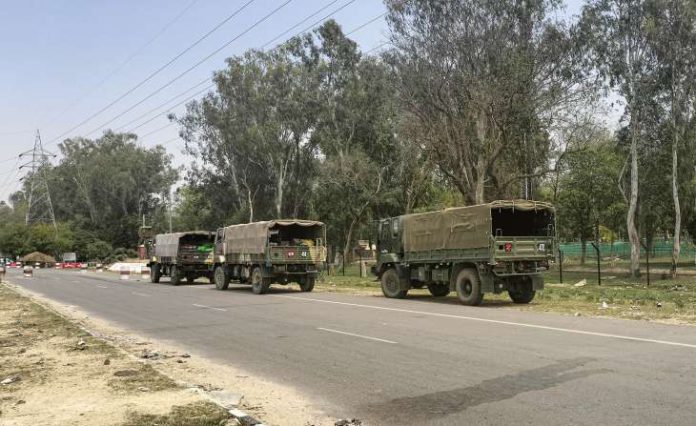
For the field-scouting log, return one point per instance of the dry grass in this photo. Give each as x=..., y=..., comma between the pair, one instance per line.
x=63, y=375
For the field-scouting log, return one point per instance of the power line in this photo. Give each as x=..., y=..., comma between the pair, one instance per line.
x=300, y=23
x=156, y=130
x=355, y=30
x=160, y=69
x=171, y=107
x=325, y=17
x=163, y=104
x=125, y=62
x=216, y=51
x=379, y=46
x=204, y=59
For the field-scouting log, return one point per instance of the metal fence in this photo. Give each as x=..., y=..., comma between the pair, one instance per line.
x=622, y=250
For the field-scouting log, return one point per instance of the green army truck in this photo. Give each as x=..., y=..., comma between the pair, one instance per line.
x=277, y=251
x=488, y=248
x=181, y=255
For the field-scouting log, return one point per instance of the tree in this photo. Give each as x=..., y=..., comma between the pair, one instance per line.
x=672, y=35
x=483, y=80
x=105, y=186
x=588, y=194
x=615, y=32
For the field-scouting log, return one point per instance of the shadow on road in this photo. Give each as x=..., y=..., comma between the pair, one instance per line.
x=430, y=407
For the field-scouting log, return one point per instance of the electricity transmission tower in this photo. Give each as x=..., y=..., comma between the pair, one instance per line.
x=39, y=207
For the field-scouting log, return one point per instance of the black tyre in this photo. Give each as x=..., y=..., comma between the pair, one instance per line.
x=221, y=278
x=438, y=290
x=391, y=285
x=523, y=291
x=190, y=279
x=174, y=275
x=307, y=284
x=155, y=273
x=259, y=284
x=468, y=287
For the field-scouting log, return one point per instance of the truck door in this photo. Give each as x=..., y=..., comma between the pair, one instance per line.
x=219, y=243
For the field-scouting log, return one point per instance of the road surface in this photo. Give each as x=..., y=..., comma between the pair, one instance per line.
x=415, y=361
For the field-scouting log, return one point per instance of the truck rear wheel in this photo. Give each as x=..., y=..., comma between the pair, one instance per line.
x=259, y=284
x=468, y=287
x=155, y=273
x=221, y=278
x=174, y=275
x=438, y=290
x=190, y=278
x=391, y=285
x=522, y=292
x=307, y=284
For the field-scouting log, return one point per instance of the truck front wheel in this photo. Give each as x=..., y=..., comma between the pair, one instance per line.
x=468, y=287
x=522, y=291
x=391, y=285
x=174, y=275
x=221, y=278
x=259, y=284
x=155, y=273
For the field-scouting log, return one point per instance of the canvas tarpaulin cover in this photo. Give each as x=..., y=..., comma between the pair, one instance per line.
x=457, y=227
x=251, y=238
x=167, y=245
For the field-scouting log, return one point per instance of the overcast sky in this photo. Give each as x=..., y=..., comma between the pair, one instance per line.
x=63, y=61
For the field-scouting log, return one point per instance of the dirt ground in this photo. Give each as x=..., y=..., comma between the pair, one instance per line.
x=55, y=373
x=73, y=386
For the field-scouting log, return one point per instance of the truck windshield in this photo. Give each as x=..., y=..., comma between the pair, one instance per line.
x=522, y=223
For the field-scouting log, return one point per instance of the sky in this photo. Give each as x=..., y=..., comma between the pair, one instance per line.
x=65, y=61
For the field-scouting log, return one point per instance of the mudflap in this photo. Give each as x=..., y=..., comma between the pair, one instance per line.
x=487, y=281
x=404, y=276
x=537, y=282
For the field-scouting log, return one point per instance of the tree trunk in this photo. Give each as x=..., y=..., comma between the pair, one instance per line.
x=479, y=194
x=583, y=251
x=349, y=237
x=633, y=236
x=279, y=193
x=677, y=208
x=250, y=201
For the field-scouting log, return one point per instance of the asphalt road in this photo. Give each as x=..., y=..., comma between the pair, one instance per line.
x=413, y=361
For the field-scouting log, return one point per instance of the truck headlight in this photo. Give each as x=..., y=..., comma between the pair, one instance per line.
x=542, y=247
x=221, y=259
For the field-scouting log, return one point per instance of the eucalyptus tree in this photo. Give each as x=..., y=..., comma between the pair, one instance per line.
x=484, y=80
x=616, y=32
x=672, y=35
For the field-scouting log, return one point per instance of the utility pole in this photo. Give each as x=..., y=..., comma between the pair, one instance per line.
x=40, y=207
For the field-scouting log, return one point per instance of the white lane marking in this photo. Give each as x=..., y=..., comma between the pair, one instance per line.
x=492, y=321
x=140, y=294
x=377, y=339
x=209, y=307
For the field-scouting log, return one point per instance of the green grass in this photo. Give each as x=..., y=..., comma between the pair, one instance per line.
x=625, y=297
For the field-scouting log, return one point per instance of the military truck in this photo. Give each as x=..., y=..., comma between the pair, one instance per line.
x=490, y=248
x=181, y=255
x=277, y=251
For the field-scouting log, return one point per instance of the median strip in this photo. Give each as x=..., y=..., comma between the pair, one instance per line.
x=209, y=307
x=377, y=339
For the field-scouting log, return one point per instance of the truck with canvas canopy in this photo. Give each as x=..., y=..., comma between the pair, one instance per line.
x=500, y=246
x=276, y=251
x=181, y=255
